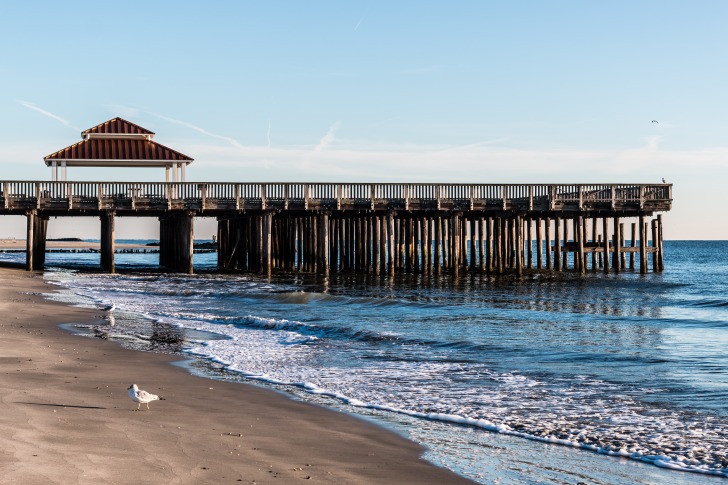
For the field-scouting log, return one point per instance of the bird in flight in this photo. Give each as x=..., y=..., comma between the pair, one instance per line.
x=663, y=180
x=142, y=397
x=655, y=121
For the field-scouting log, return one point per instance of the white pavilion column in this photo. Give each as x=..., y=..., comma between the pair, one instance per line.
x=64, y=173
x=174, y=173
x=183, y=166
x=166, y=173
x=54, y=171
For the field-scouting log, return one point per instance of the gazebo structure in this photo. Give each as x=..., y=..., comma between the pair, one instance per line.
x=118, y=143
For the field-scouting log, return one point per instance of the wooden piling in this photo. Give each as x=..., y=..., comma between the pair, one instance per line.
x=655, y=255
x=547, y=243
x=661, y=252
x=617, y=257
x=107, y=242
x=605, y=240
x=643, y=245
x=582, y=259
x=557, y=244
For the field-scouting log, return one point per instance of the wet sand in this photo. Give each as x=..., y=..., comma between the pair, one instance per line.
x=66, y=417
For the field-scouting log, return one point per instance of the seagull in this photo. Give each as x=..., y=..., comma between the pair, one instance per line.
x=139, y=396
x=655, y=121
x=663, y=180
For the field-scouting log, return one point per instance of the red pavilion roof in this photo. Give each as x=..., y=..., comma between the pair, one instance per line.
x=117, y=142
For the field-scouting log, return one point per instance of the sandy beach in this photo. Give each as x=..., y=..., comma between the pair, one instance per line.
x=66, y=416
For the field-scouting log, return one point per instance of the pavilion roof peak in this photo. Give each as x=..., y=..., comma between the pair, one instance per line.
x=117, y=128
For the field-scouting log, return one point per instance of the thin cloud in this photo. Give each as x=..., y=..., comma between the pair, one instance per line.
x=268, y=133
x=328, y=138
x=356, y=27
x=232, y=141
x=63, y=121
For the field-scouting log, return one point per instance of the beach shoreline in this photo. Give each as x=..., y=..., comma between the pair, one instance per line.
x=67, y=417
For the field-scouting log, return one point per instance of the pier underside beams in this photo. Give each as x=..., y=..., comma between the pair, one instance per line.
x=431, y=242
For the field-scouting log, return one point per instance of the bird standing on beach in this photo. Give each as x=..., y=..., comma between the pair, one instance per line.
x=140, y=396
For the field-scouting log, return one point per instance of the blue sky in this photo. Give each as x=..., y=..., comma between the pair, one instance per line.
x=518, y=91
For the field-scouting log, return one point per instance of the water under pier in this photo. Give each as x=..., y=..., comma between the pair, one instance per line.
x=380, y=228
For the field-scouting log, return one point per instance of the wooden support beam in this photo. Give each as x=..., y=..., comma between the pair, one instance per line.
x=660, y=246
x=616, y=257
x=594, y=242
x=390, y=243
x=605, y=240
x=518, y=240
x=623, y=255
x=455, y=242
x=632, y=244
x=564, y=248
x=529, y=243
x=557, y=244
x=643, y=245
x=107, y=242
x=655, y=247
x=539, y=244
x=549, y=263
x=580, y=221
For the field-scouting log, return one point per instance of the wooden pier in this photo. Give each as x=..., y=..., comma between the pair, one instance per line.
x=380, y=228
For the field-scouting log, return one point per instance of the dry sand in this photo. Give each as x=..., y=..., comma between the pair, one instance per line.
x=65, y=416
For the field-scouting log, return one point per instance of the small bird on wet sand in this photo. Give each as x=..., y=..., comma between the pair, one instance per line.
x=142, y=397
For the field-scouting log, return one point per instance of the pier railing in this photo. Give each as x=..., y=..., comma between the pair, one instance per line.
x=215, y=196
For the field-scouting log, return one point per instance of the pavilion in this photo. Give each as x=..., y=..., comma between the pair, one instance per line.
x=118, y=143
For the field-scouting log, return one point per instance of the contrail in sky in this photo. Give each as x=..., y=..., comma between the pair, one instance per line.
x=47, y=113
x=358, y=24
x=328, y=138
x=232, y=141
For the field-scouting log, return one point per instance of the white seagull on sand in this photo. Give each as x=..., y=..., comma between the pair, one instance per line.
x=142, y=397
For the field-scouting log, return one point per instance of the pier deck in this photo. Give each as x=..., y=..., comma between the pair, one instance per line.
x=366, y=227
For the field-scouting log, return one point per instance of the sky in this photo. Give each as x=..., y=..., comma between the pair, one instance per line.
x=379, y=91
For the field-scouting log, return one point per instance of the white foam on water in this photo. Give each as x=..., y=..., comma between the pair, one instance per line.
x=577, y=411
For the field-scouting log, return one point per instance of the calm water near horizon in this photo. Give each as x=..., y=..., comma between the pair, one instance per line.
x=514, y=380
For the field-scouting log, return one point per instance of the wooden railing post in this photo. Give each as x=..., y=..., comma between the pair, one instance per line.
x=504, y=193
x=237, y=196
x=614, y=197
x=262, y=196
x=581, y=197
x=372, y=195
x=642, y=196
x=530, y=197
x=306, y=195
x=203, y=194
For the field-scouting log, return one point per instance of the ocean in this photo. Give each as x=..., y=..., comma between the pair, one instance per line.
x=546, y=378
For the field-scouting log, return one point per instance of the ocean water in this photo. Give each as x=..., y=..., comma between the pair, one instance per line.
x=547, y=378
